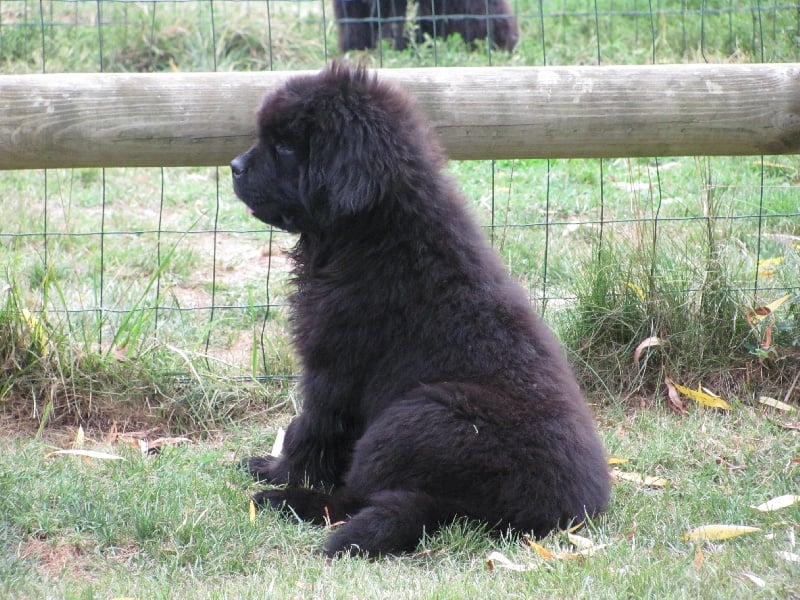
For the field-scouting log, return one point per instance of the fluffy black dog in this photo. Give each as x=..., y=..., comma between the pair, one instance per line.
x=430, y=388
x=362, y=23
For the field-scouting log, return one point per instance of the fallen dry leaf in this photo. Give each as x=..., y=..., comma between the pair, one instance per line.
x=87, y=454
x=579, y=541
x=580, y=554
x=121, y=354
x=778, y=503
x=639, y=479
x=643, y=345
x=718, y=532
x=767, y=401
x=617, y=460
x=154, y=446
x=586, y=548
x=766, y=343
x=36, y=328
x=703, y=398
x=674, y=399
x=767, y=266
x=576, y=527
x=760, y=313
x=277, y=446
x=789, y=556
x=754, y=579
x=540, y=550
x=496, y=559
x=636, y=290
x=699, y=558
x=80, y=438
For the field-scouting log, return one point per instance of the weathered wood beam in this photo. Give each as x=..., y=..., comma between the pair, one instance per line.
x=174, y=119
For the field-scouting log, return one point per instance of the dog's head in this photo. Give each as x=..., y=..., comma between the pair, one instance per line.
x=330, y=146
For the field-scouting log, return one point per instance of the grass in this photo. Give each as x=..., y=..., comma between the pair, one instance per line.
x=176, y=524
x=147, y=300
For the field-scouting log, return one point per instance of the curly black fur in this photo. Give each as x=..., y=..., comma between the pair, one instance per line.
x=430, y=388
x=363, y=23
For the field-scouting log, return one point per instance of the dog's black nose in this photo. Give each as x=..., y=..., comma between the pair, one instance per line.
x=238, y=165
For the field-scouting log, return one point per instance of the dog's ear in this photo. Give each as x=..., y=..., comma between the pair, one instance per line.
x=349, y=170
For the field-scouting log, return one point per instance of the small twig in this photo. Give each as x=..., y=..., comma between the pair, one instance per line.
x=791, y=388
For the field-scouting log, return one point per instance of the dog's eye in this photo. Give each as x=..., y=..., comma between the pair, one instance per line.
x=283, y=150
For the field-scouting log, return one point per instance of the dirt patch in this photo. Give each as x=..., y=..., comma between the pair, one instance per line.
x=241, y=260
x=57, y=558
x=237, y=262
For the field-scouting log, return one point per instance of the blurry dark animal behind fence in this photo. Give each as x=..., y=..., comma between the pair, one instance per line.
x=363, y=23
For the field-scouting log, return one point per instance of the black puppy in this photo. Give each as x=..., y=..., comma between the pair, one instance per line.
x=362, y=23
x=430, y=388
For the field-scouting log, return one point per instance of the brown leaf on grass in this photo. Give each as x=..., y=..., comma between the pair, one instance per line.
x=586, y=548
x=580, y=554
x=643, y=345
x=331, y=525
x=121, y=354
x=155, y=446
x=639, y=479
x=673, y=398
x=718, y=532
x=699, y=558
x=762, y=312
x=540, y=550
x=630, y=534
x=766, y=343
x=128, y=437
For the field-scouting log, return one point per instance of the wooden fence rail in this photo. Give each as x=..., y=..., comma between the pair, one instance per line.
x=175, y=119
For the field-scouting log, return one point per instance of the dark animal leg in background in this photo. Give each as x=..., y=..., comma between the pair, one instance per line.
x=355, y=29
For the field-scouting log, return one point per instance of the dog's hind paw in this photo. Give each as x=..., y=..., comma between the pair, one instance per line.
x=306, y=504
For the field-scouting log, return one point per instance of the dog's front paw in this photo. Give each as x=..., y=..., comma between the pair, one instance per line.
x=261, y=468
